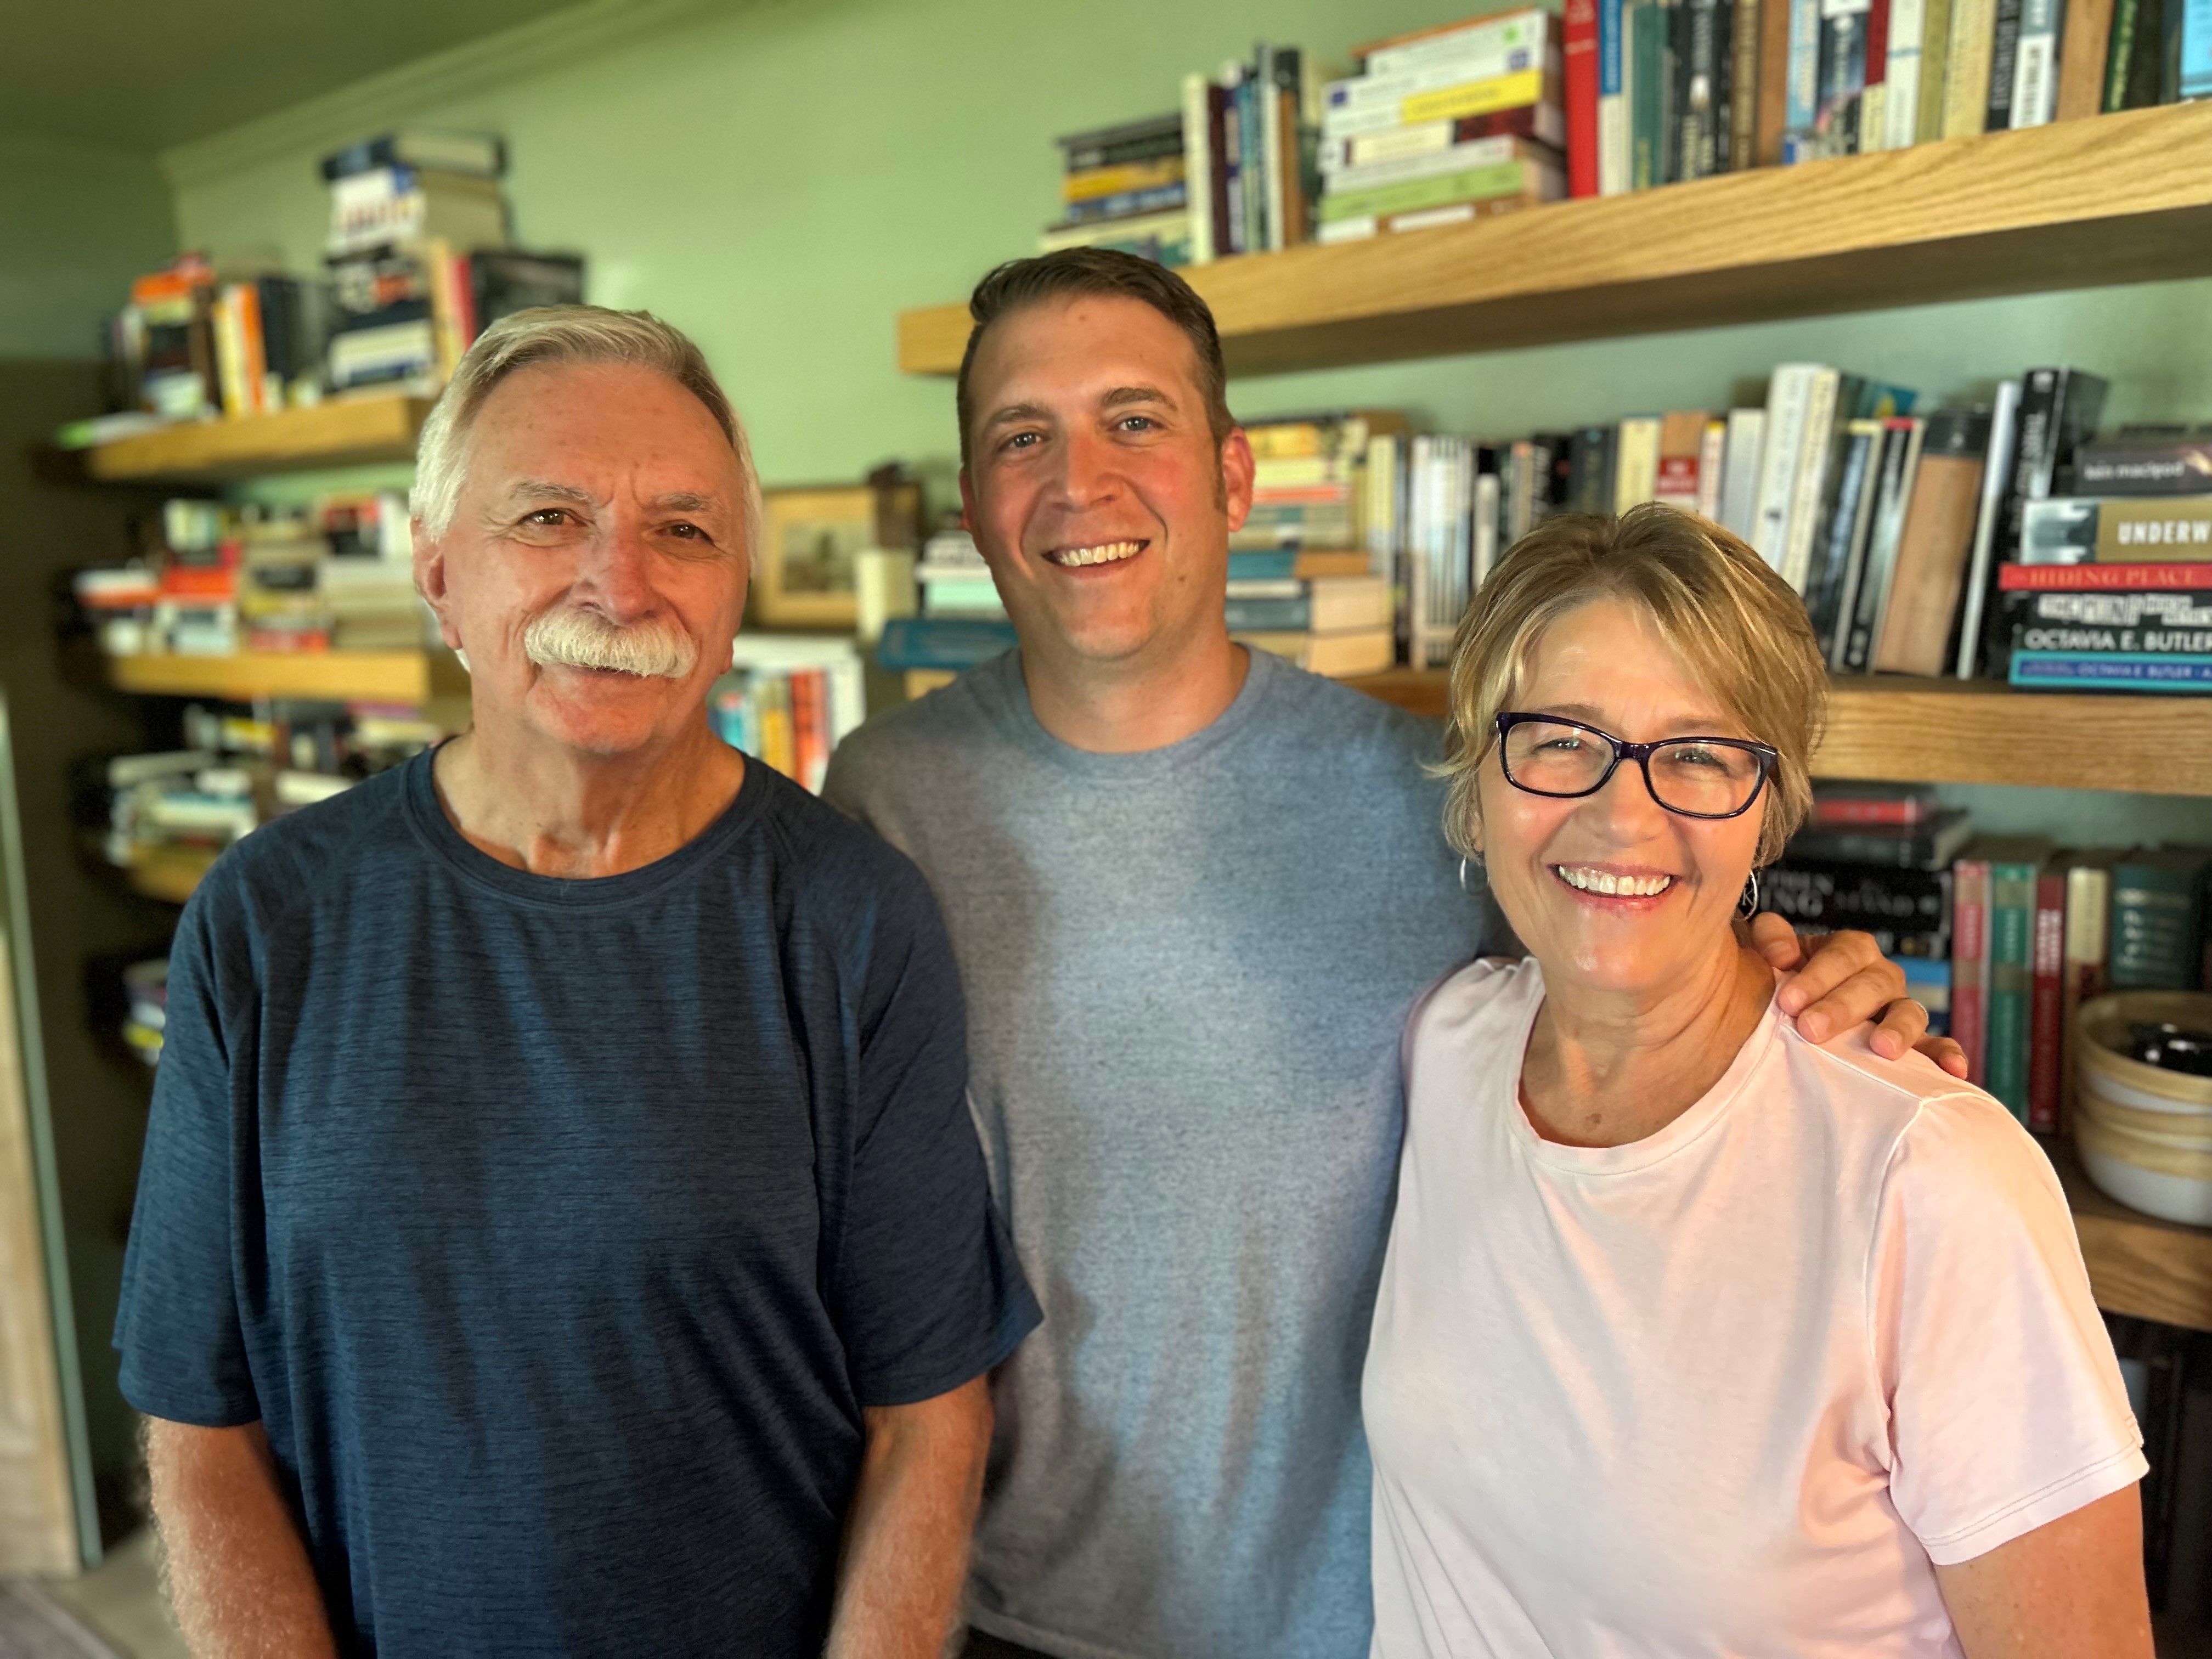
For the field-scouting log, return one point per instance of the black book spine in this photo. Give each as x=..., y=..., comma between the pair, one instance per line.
x=1847, y=475
x=2004, y=55
x=1845, y=895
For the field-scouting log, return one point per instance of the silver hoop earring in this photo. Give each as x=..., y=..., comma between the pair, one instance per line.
x=1747, y=906
x=1463, y=887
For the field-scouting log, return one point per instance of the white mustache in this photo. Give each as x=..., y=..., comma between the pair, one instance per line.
x=585, y=639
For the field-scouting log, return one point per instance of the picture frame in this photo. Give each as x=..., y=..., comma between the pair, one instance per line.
x=810, y=540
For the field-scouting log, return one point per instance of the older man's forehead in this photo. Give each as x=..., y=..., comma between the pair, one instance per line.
x=524, y=492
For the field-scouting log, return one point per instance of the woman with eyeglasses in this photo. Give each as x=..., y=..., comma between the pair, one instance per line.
x=1694, y=1337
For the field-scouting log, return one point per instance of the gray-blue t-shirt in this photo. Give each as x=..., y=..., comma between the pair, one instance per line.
x=1187, y=971
x=559, y=1231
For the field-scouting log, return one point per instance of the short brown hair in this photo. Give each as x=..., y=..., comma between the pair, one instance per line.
x=1739, y=628
x=1090, y=272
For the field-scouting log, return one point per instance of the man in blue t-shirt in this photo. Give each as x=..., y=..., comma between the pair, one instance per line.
x=561, y=1231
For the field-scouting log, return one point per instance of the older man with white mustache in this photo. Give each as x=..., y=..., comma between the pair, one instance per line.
x=561, y=1229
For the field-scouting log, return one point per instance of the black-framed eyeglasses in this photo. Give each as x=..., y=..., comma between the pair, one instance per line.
x=1695, y=777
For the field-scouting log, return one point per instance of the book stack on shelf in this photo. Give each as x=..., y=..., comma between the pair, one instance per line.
x=954, y=580
x=1877, y=857
x=417, y=256
x=2113, y=586
x=1123, y=187
x=334, y=575
x=1444, y=126
x=789, y=700
x=146, y=990
x=197, y=341
x=1304, y=580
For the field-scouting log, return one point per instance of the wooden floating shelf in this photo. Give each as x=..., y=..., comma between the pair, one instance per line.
x=2138, y=1265
x=341, y=433
x=412, y=677
x=1915, y=731
x=2114, y=199
x=167, y=874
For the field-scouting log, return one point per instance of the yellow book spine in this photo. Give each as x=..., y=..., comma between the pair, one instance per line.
x=1091, y=183
x=1475, y=97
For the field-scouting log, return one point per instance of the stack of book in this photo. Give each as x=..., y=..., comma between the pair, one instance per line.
x=1124, y=187
x=417, y=256
x=1332, y=625
x=1444, y=126
x=146, y=989
x=336, y=574
x=1877, y=857
x=2040, y=930
x=194, y=341
x=2112, y=587
x=954, y=580
x=788, y=700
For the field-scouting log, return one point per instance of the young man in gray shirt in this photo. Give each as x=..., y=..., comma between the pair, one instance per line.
x=1193, y=892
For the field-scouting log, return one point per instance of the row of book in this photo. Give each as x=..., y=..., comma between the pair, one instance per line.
x=1518, y=107
x=2002, y=936
x=788, y=700
x=216, y=578
x=416, y=262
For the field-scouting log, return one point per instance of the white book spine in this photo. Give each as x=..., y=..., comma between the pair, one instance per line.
x=1997, y=474
x=1740, y=475
x=1908, y=21
x=1486, y=528
x=1787, y=393
x=1712, y=447
x=2035, y=64
x=1814, y=455
x=1198, y=166
x=1495, y=34
x=1636, y=466
x=1271, y=148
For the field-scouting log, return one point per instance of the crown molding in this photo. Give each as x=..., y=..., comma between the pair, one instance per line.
x=360, y=109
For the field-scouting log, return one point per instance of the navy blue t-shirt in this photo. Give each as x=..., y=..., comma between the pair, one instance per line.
x=559, y=1231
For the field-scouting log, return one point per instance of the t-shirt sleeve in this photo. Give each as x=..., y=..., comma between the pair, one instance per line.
x=928, y=1294
x=2006, y=1409
x=177, y=1324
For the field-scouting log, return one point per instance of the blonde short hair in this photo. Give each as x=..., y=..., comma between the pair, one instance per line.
x=564, y=334
x=1737, y=625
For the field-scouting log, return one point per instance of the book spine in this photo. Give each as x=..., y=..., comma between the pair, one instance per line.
x=1612, y=154
x=1743, y=84
x=1873, y=102
x=1198, y=166
x=1712, y=449
x=2155, y=929
x=1867, y=809
x=1967, y=76
x=1803, y=104
x=1580, y=52
x=2046, y=1013
x=2004, y=54
x=1789, y=392
x=2134, y=671
x=2088, y=920
x=2119, y=54
x=2012, y=921
x=1970, y=965
x=1934, y=64
x=1996, y=471
x=1813, y=467
x=1269, y=111
x=2035, y=64
x=1901, y=104
x=2115, y=578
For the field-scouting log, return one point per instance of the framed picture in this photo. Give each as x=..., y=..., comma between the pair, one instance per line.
x=810, y=540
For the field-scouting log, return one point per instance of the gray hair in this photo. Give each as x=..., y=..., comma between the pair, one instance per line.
x=564, y=334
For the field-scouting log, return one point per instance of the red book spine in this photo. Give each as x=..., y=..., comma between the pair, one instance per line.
x=2047, y=1004
x=2119, y=577
x=1877, y=51
x=810, y=726
x=1898, y=813
x=1970, y=952
x=1581, y=53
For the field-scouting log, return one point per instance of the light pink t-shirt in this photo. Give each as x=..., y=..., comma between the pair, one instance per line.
x=1730, y=1389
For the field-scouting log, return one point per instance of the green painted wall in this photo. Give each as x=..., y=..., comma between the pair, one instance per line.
x=78, y=222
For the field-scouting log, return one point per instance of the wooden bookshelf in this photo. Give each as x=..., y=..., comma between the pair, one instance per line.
x=413, y=678
x=167, y=874
x=2138, y=1265
x=2117, y=198
x=1915, y=731
x=340, y=432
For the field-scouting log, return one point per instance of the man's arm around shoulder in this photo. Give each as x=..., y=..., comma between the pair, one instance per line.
x=239, y=1576
x=906, y=1536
